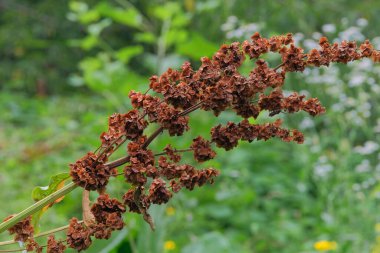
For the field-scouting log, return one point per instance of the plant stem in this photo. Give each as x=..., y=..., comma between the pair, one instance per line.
x=37, y=206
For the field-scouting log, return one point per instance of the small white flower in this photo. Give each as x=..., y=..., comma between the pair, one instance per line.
x=369, y=147
x=322, y=170
x=306, y=123
x=329, y=28
x=362, y=22
x=364, y=166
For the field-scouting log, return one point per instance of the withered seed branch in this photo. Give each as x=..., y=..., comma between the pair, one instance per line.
x=216, y=86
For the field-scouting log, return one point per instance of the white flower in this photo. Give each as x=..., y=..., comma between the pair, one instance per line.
x=362, y=22
x=364, y=166
x=329, y=28
x=322, y=170
x=369, y=147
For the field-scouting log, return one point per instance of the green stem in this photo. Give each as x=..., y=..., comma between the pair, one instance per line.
x=37, y=206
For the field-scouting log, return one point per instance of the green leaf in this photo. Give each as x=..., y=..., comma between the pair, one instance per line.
x=129, y=17
x=126, y=53
x=166, y=11
x=196, y=46
x=89, y=17
x=40, y=192
x=89, y=42
x=97, y=28
x=77, y=6
x=56, y=181
x=146, y=37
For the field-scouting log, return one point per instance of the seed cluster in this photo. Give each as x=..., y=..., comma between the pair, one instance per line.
x=215, y=86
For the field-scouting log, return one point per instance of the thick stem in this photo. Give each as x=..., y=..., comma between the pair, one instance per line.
x=88, y=217
x=37, y=206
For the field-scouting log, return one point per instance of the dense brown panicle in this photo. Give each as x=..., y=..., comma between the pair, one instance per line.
x=218, y=97
x=345, y=52
x=169, y=119
x=134, y=125
x=169, y=170
x=292, y=58
x=53, y=246
x=90, y=173
x=78, y=236
x=158, y=193
x=229, y=57
x=193, y=177
x=202, y=149
x=263, y=77
x=23, y=230
x=276, y=42
x=108, y=212
x=129, y=199
x=141, y=164
x=101, y=231
x=272, y=102
x=275, y=103
x=181, y=96
x=225, y=137
x=216, y=86
x=257, y=47
x=32, y=245
x=171, y=153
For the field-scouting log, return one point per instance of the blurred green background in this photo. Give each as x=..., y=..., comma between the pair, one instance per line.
x=65, y=66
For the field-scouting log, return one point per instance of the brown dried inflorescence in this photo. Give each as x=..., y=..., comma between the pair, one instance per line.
x=158, y=192
x=78, y=236
x=90, y=173
x=172, y=154
x=202, y=149
x=216, y=86
x=53, y=246
x=135, y=201
x=108, y=212
x=23, y=230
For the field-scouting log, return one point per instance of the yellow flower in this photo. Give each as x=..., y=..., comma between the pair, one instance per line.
x=170, y=211
x=377, y=227
x=169, y=245
x=325, y=245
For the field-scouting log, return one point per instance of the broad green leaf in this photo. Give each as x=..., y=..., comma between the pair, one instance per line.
x=56, y=182
x=129, y=17
x=89, y=16
x=97, y=28
x=103, y=74
x=176, y=37
x=146, y=37
x=167, y=10
x=40, y=192
x=126, y=53
x=89, y=42
x=196, y=46
x=77, y=6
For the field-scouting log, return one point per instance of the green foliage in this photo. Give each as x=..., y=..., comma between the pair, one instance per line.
x=40, y=192
x=56, y=182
